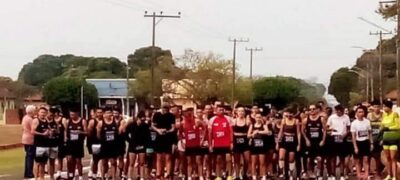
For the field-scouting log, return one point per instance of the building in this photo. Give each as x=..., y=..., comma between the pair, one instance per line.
x=36, y=100
x=113, y=92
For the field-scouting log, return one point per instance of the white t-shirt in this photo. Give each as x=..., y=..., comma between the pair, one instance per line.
x=361, y=128
x=339, y=124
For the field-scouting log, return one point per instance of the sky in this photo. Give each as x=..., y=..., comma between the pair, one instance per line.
x=308, y=39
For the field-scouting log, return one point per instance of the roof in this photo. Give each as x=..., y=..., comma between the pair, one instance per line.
x=110, y=88
x=391, y=95
x=35, y=97
x=5, y=93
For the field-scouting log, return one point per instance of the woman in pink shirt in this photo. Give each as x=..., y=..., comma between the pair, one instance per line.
x=27, y=141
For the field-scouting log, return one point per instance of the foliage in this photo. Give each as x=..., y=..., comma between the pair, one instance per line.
x=66, y=92
x=46, y=67
x=343, y=81
x=19, y=89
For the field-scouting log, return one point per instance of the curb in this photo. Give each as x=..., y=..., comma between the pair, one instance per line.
x=10, y=146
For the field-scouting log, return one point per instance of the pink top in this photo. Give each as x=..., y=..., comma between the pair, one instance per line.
x=27, y=136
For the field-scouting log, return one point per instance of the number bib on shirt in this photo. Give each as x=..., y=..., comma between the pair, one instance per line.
x=191, y=136
x=362, y=134
x=314, y=134
x=74, y=136
x=153, y=136
x=258, y=143
x=220, y=134
x=240, y=140
x=375, y=131
x=289, y=139
x=337, y=139
x=110, y=136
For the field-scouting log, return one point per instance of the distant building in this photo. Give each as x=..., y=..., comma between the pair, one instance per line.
x=112, y=92
x=36, y=100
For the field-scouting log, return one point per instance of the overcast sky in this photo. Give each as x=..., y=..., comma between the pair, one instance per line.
x=301, y=38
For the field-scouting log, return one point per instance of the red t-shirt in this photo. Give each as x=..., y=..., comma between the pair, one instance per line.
x=221, y=132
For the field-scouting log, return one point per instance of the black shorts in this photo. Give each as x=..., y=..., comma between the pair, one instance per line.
x=315, y=150
x=363, y=149
x=221, y=150
x=193, y=151
x=258, y=146
x=336, y=148
x=290, y=146
x=109, y=151
x=164, y=143
x=204, y=151
x=75, y=149
x=241, y=144
x=134, y=148
x=377, y=148
x=270, y=143
x=62, y=151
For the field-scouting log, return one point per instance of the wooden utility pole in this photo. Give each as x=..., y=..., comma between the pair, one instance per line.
x=235, y=41
x=251, y=69
x=154, y=15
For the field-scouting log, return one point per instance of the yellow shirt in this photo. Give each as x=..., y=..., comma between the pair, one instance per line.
x=391, y=121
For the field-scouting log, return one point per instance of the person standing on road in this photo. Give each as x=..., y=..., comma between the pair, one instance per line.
x=93, y=143
x=53, y=140
x=27, y=141
x=221, y=143
x=375, y=118
x=338, y=128
x=107, y=132
x=241, y=149
x=59, y=119
x=164, y=125
x=362, y=141
x=257, y=133
x=41, y=132
x=75, y=134
x=121, y=145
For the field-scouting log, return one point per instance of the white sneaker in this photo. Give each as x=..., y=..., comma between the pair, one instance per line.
x=342, y=178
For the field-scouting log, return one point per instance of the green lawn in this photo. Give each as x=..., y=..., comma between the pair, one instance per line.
x=12, y=163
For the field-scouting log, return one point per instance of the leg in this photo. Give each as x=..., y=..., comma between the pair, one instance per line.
x=126, y=167
x=292, y=161
x=132, y=171
x=199, y=164
x=29, y=160
x=71, y=166
x=254, y=160
x=79, y=166
x=366, y=166
x=237, y=157
x=113, y=162
x=51, y=168
x=159, y=166
x=218, y=165
x=358, y=161
x=228, y=161
x=189, y=166
x=263, y=168
x=393, y=155
x=142, y=157
x=281, y=163
x=246, y=163
x=104, y=168
x=168, y=163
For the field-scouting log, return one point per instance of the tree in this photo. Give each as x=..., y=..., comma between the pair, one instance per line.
x=343, y=81
x=202, y=76
x=278, y=91
x=46, y=67
x=141, y=59
x=66, y=92
x=17, y=88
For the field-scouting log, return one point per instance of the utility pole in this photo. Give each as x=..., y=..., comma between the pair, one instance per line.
x=251, y=69
x=127, y=89
x=154, y=16
x=380, y=33
x=235, y=41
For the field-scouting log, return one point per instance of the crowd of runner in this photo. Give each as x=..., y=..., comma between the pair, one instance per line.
x=220, y=142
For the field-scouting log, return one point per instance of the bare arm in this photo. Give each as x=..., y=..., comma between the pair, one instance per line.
x=250, y=132
x=90, y=126
x=324, y=128
x=85, y=131
x=303, y=129
x=298, y=127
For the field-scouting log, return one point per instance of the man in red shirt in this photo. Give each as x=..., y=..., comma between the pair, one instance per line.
x=221, y=142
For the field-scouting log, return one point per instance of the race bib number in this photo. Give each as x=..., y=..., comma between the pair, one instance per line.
x=314, y=134
x=375, y=131
x=289, y=138
x=191, y=136
x=153, y=136
x=239, y=140
x=362, y=133
x=338, y=139
x=220, y=134
x=74, y=136
x=110, y=136
x=139, y=148
x=258, y=143
x=205, y=143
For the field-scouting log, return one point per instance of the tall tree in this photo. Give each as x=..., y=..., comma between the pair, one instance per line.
x=343, y=81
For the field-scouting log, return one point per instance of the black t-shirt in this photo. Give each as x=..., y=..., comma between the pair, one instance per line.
x=138, y=134
x=164, y=121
